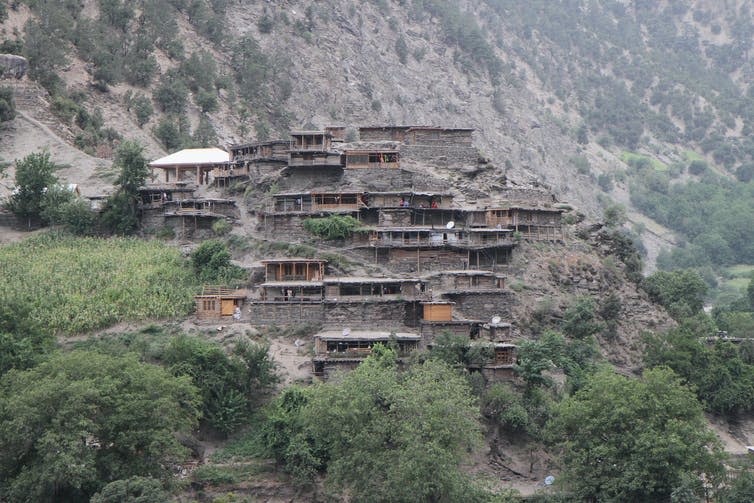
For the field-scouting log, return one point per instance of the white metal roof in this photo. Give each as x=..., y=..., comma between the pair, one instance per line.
x=193, y=157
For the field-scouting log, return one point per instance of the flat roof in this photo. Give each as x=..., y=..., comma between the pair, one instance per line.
x=284, y=284
x=291, y=260
x=192, y=157
x=487, y=229
x=367, y=279
x=370, y=151
x=165, y=188
x=437, y=128
x=411, y=193
x=259, y=144
x=366, y=335
x=466, y=272
x=317, y=193
x=310, y=133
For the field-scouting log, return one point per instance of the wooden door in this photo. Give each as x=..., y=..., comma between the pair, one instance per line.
x=228, y=306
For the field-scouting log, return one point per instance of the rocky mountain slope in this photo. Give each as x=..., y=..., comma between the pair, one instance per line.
x=517, y=77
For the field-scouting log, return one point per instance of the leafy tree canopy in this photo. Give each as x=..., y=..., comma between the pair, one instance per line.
x=380, y=434
x=680, y=292
x=83, y=419
x=626, y=439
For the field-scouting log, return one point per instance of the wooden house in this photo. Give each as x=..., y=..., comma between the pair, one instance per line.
x=352, y=288
x=272, y=151
x=219, y=302
x=156, y=195
x=383, y=133
x=469, y=279
x=306, y=202
x=409, y=199
x=345, y=350
x=190, y=165
x=373, y=158
x=301, y=291
x=294, y=269
x=312, y=149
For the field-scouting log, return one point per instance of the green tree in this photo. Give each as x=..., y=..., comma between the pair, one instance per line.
x=626, y=439
x=381, y=434
x=35, y=173
x=23, y=340
x=681, y=292
x=83, y=419
x=615, y=216
x=230, y=385
x=121, y=210
x=172, y=96
x=169, y=134
x=205, y=135
x=142, y=107
x=132, y=490
x=211, y=261
x=578, y=320
x=7, y=104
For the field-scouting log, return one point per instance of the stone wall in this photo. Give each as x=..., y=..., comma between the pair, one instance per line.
x=283, y=313
x=482, y=305
x=445, y=155
x=430, y=330
x=382, y=314
x=405, y=260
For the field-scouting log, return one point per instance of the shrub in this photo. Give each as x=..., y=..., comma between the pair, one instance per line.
x=211, y=261
x=166, y=232
x=332, y=227
x=505, y=407
x=266, y=23
x=698, y=167
x=7, y=104
x=578, y=320
x=142, y=108
x=221, y=227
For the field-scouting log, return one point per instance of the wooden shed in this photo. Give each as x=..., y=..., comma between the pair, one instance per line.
x=217, y=302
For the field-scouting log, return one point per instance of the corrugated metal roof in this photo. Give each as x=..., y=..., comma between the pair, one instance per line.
x=193, y=157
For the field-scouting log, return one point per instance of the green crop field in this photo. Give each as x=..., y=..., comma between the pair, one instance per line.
x=73, y=285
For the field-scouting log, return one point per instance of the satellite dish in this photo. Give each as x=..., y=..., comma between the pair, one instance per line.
x=496, y=320
x=346, y=332
x=549, y=480
x=450, y=225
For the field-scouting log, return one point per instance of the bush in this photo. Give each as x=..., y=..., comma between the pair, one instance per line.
x=578, y=320
x=211, y=261
x=132, y=490
x=142, y=108
x=266, y=23
x=221, y=227
x=7, y=104
x=505, y=407
x=230, y=385
x=166, y=232
x=698, y=167
x=332, y=227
